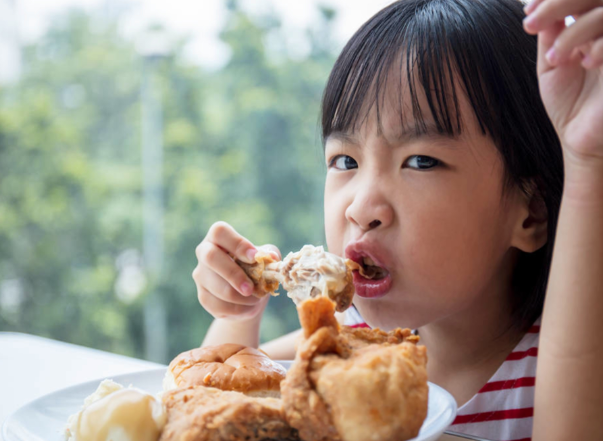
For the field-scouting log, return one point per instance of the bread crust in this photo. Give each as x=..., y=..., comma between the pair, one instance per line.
x=229, y=367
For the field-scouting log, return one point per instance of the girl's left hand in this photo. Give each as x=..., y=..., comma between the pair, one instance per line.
x=570, y=72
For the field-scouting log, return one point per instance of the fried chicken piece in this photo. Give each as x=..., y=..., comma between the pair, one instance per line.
x=354, y=385
x=357, y=338
x=310, y=272
x=209, y=414
x=261, y=273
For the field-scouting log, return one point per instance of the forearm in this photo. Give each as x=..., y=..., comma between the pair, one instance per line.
x=244, y=332
x=282, y=348
x=248, y=333
x=569, y=398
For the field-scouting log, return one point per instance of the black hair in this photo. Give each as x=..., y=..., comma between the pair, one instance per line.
x=482, y=44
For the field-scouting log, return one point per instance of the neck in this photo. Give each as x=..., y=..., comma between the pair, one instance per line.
x=466, y=349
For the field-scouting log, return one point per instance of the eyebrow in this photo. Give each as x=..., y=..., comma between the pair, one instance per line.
x=407, y=134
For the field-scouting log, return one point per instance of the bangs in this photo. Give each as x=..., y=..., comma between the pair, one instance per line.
x=433, y=46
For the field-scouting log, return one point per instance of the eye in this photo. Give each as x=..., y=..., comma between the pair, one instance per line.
x=343, y=162
x=420, y=162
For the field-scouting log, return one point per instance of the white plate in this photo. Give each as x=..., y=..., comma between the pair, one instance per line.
x=44, y=419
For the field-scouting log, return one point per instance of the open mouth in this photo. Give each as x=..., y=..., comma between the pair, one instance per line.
x=369, y=270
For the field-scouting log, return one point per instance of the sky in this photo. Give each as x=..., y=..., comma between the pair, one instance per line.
x=199, y=19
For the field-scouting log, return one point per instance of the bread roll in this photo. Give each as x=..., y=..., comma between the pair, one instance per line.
x=229, y=367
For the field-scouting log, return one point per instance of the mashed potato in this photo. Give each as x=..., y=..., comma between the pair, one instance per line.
x=116, y=413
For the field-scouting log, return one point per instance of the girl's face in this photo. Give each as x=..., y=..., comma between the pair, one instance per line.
x=430, y=210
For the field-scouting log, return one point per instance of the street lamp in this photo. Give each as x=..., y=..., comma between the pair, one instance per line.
x=10, y=48
x=154, y=45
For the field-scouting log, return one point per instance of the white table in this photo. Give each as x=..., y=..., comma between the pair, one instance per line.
x=32, y=366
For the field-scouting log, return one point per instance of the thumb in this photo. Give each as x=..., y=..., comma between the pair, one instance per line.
x=272, y=249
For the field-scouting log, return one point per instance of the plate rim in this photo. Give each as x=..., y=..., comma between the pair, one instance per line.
x=65, y=390
x=5, y=424
x=451, y=402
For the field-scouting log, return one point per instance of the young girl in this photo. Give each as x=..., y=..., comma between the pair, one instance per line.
x=452, y=171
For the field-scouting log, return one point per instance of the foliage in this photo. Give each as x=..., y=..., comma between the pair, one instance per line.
x=240, y=144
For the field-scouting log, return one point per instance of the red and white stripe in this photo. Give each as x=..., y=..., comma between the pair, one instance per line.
x=503, y=409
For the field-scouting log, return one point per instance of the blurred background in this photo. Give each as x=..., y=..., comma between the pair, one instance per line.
x=127, y=128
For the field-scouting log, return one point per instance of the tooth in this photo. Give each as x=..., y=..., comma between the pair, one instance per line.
x=369, y=261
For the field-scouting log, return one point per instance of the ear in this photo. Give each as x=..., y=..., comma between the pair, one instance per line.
x=530, y=232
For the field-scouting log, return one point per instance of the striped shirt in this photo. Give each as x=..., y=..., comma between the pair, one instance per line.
x=502, y=410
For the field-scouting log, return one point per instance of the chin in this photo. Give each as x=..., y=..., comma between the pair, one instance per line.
x=381, y=313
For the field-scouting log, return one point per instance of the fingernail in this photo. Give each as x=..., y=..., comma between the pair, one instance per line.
x=251, y=254
x=552, y=56
x=246, y=288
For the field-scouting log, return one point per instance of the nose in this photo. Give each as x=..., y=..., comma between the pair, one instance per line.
x=370, y=209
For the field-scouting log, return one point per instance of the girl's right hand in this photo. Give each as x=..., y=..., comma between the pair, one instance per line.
x=223, y=288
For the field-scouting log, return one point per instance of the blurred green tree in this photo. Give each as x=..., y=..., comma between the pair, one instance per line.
x=240, y=144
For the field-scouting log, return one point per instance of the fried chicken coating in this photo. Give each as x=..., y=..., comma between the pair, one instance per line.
x=354, y=385
x=357, y=338
x=209, y=414
x=263, y=282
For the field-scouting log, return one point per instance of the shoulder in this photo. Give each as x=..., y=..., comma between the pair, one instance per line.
x=351, y=317
x=504, y=406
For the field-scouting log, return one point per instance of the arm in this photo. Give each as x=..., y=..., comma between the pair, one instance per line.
x=244, y=332
x=569, y=398
x=282, y=348
x=248, y=333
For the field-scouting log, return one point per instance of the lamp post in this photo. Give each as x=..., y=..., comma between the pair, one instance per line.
x=153, y=47
x=10, y=48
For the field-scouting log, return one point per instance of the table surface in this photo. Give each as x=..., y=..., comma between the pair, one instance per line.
x=38, y=366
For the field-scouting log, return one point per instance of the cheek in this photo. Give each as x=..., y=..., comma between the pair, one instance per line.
x=334, y=217
x=458, y=241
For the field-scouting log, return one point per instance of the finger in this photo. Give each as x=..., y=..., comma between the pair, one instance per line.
x=587, y=28
x=594, y=58
x=216, y=259
x=530, y=7
x=546, y=39
x=549, y=12
x=223, y=290
x=221, y=309
x=597, y=49
x=577, y=55
x=227, y=238
x=272, y=249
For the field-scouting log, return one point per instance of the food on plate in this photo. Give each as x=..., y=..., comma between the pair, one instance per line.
x=357, y=338
x=354, y=385
x=345, y=384
x=225, y=392
x=118, y=414
x=229, y=367
x=309, y=272
x=209, y=414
